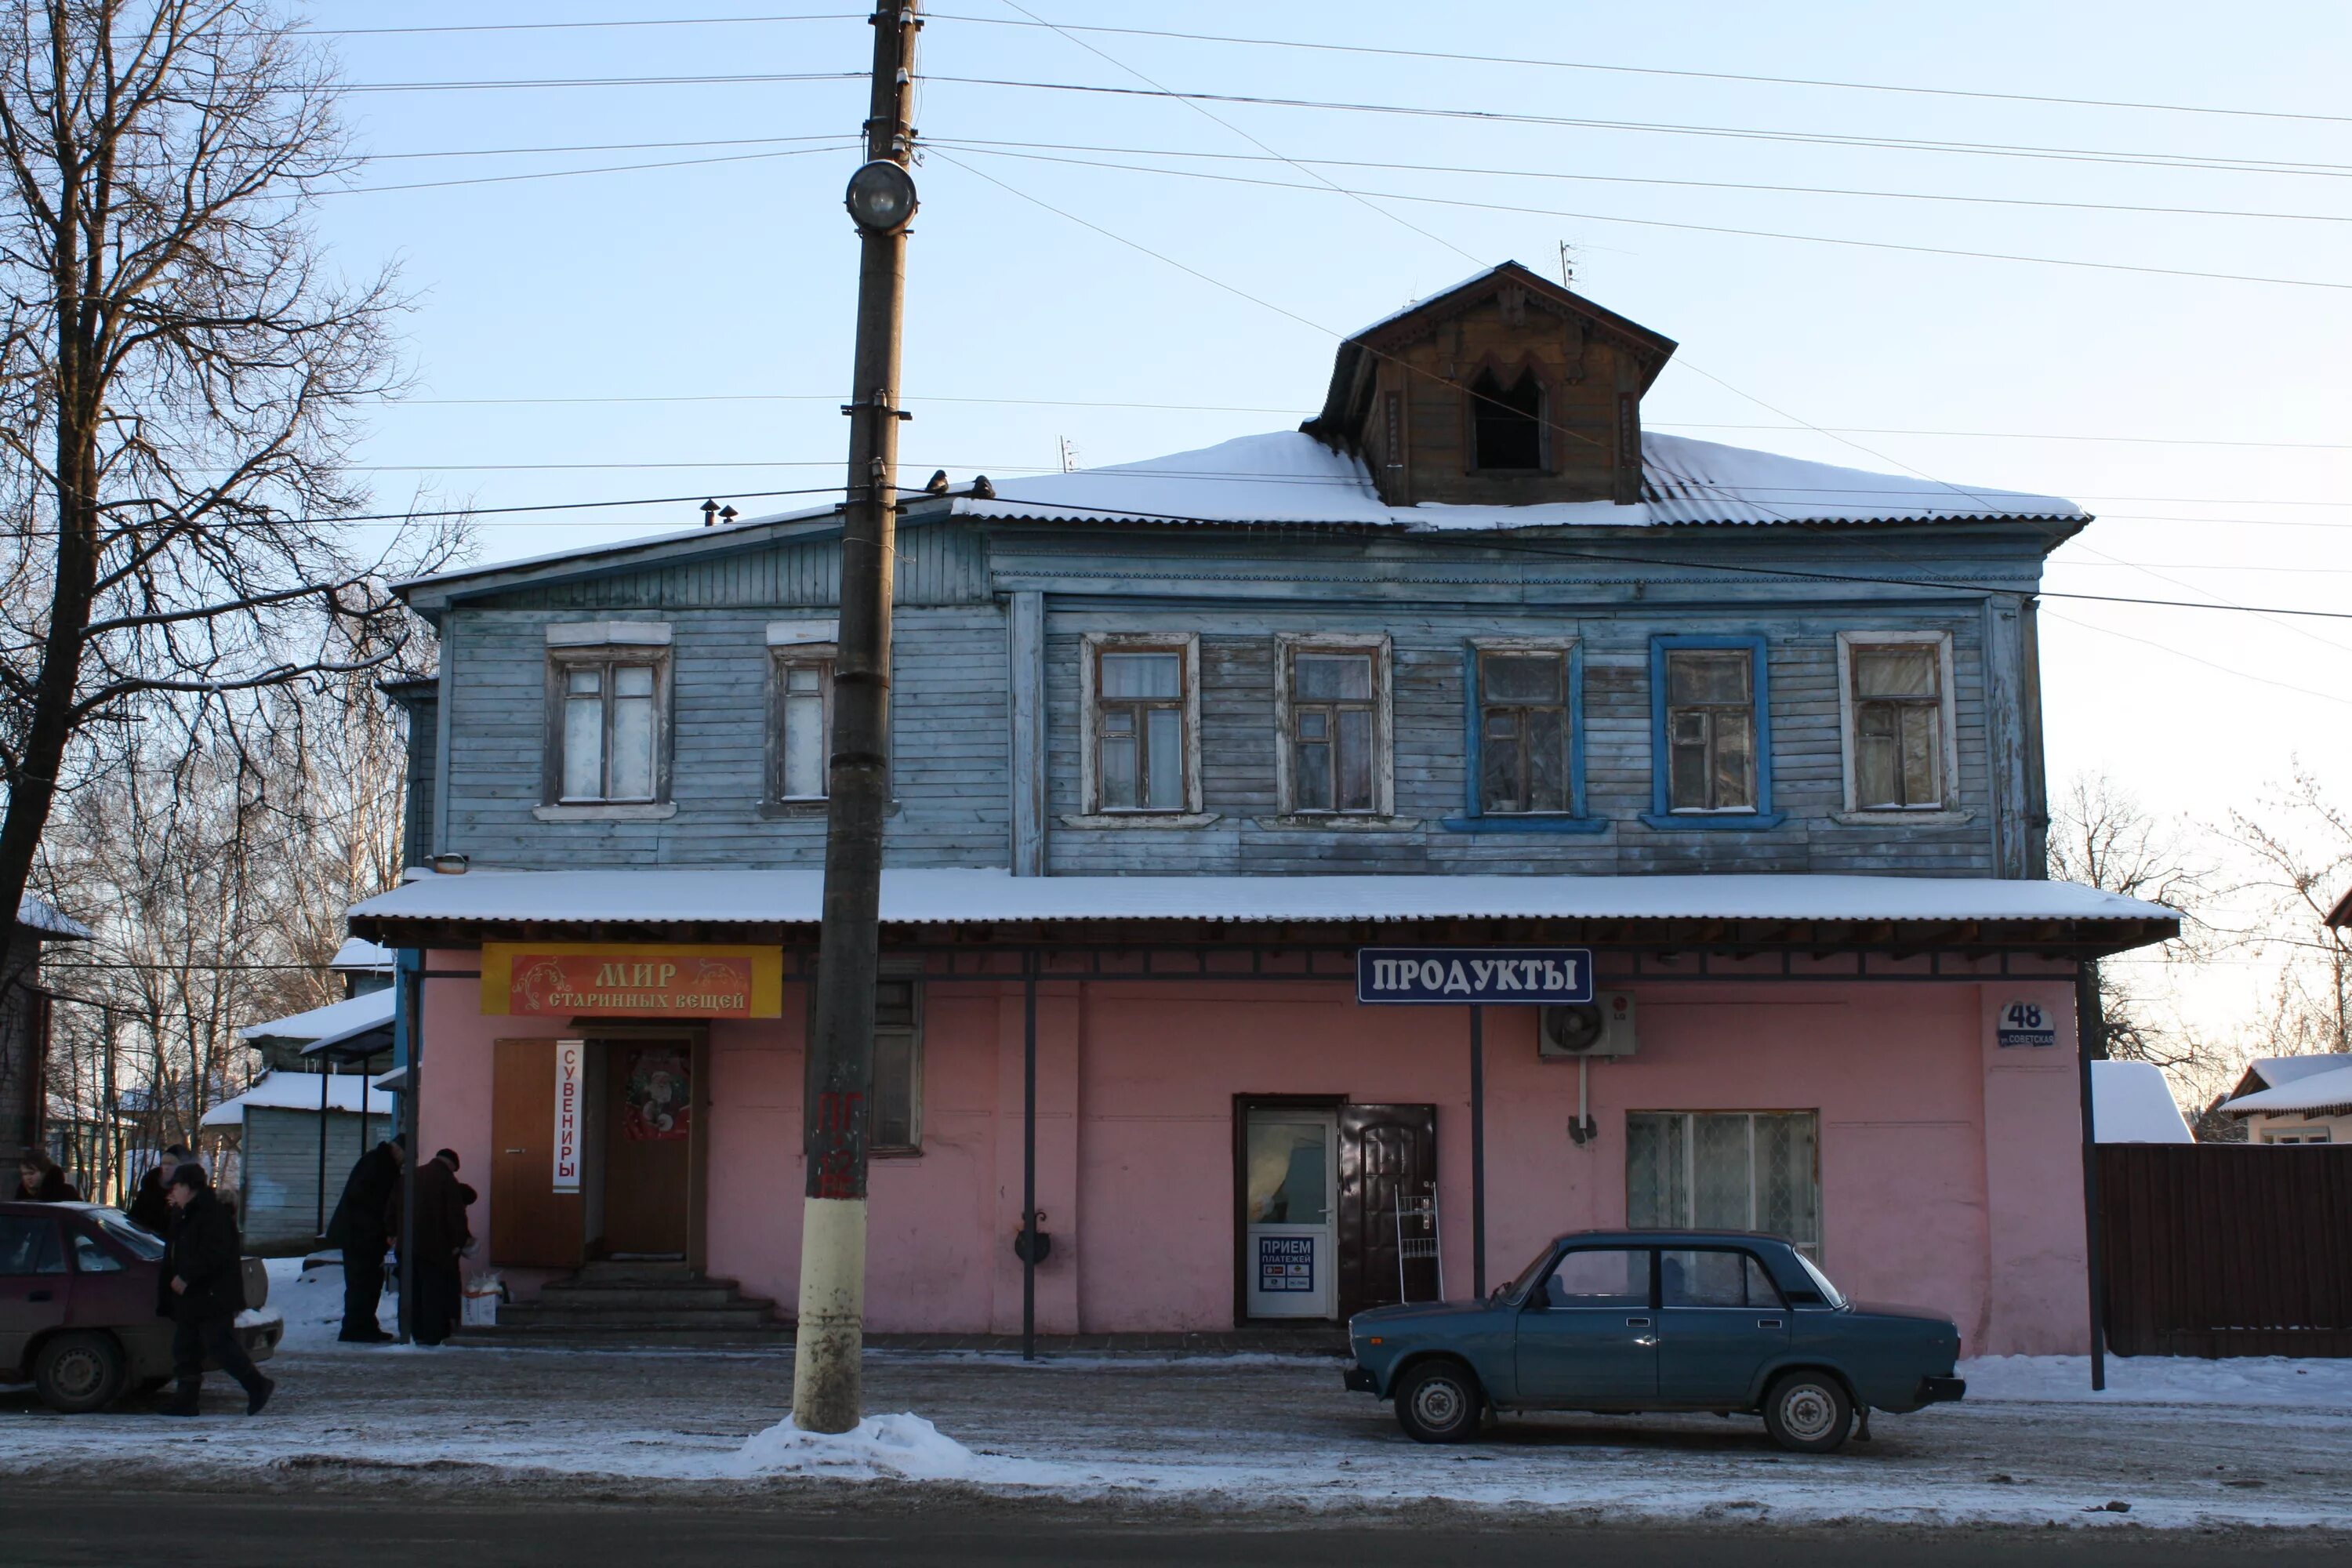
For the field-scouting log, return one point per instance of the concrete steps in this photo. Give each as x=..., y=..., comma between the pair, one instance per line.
x=635, y=1301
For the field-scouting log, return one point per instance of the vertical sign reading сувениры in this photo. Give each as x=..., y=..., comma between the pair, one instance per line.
x=568, y=1057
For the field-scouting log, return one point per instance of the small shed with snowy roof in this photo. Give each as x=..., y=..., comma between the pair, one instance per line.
x=2295, y=1099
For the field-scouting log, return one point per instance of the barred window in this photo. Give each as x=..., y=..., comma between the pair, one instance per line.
x=1741, y=1170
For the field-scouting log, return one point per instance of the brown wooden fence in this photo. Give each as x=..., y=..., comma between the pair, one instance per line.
x=2227, y=1249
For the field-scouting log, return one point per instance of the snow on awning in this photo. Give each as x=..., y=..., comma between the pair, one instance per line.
x=299, y=1092
x=2131, y=1102
x=2308, y=1091
x=361, y=955
x=371, y=1009
x=45, y=919
x=730, y=896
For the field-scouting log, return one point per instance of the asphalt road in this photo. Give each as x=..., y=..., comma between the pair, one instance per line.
x=42, y=1526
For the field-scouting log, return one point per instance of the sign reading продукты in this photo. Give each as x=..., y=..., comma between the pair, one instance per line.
x=1481, y=975
x=1285, y=1263
x=2024, y=1024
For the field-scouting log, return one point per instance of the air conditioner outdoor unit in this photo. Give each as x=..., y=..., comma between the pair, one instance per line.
x=1601, y=1027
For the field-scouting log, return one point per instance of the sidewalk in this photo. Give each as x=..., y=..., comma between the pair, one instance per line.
x=2180, y=1444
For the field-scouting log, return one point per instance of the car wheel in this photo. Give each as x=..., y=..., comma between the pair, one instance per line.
x=1809, y=1413
x=78, y=1373
x=1438, y=1402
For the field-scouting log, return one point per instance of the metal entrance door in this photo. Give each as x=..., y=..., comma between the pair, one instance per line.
x=1290, y=1173
x=1388, y=1153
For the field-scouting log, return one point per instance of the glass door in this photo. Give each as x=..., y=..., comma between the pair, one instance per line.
x=1288, y=1253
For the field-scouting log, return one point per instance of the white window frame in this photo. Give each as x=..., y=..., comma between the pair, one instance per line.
x=782, y=657
x=606, y=644
x=1091, y=646
x=1287, y=646
x=1947, y=810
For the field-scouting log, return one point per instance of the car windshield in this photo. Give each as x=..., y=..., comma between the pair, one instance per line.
x=1829, y=1292
x=1528, y=1275
x=141, y=1244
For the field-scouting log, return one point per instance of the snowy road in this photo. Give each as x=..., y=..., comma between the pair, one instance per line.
x=2180, y=1444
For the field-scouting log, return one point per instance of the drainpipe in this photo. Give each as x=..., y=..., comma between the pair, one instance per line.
x=408, y=1050
x=2090, y=1045
x=1478, y=1150
x=1029, y=1158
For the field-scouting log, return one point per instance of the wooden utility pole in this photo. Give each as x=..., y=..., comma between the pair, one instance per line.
x=826, y=1395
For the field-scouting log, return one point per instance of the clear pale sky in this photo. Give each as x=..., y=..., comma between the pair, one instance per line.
x=734, y=281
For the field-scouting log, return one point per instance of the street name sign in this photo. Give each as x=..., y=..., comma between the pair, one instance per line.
x=1457, y=977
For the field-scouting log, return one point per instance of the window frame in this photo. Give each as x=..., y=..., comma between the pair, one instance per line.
x=1288, y=645
x=607, y=647
x=1947, y=721
x=782, y=658
x=1662, y=814
x=1475, y=818
x=1506, y=377
x=1092, y=646
x=1811, y=1248
x=914, y=1031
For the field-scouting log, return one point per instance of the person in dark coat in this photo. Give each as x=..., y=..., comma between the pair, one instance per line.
x=440, y=1240
x=41, y=1181
x=361, y=1226
x=201, y=1288
x=151, y=1205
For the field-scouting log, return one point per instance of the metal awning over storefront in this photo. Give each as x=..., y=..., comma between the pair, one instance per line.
x=1817, y=915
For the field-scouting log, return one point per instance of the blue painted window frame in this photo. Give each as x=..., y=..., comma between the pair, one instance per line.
x=1661, y=816
x=1475, y=818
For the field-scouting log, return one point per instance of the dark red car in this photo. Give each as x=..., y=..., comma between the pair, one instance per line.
x=77, y=1305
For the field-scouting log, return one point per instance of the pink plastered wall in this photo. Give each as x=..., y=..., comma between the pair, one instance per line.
x=1950, y=1168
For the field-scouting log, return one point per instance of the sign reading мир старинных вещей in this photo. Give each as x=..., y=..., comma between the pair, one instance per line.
x=1480, y=975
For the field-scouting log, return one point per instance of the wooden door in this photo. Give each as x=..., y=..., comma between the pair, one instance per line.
x=532, y=1224
x=1386, y=1153
x=649, y=1133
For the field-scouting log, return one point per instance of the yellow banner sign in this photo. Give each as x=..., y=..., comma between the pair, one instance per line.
x=627, y=980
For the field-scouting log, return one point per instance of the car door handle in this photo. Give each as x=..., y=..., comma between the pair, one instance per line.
x=1647, y=1342
x=1768, y=1323
x=1637, y=1322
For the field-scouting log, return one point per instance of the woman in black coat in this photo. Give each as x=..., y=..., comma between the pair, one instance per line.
x=41, y=1181
x=202, y=1289
x=151, y=1205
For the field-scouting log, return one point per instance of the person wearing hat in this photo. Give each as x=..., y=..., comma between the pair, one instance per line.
x=441, y=1235
x=361, y=1226
x=202, y=1289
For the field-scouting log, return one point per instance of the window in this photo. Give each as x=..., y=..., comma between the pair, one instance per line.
x=1711, y=721
x=30, y=1247
x=1724, y=1171
x=1143, y=710
x=2295, y=1135
x=90, y=1257
x=1897, y=690
x=609, y=723
x=1711, y=730
x=1523, y=729
x=799, y=721
x=1507, y=424
x=1333, y=702
x=894, y=1109
x=1701, y=1277
x=1611, y=1277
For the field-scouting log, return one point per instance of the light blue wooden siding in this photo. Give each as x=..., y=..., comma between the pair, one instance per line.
x=936, y=564
x=949, y=758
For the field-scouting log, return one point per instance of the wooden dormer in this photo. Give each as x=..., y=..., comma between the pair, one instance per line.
x=1508, y=390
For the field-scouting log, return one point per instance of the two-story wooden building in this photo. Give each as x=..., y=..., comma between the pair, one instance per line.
x=1470, y=662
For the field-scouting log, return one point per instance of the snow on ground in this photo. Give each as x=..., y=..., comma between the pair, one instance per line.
x=2182, y=1443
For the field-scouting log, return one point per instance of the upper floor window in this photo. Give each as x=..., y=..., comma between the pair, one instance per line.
x=1141, y=700
x=1712, y=729
x=1524, y=733
x=800, y=709
x=1507, y=423
x=1333, y=704
x=1897, y=690
x=608, y=696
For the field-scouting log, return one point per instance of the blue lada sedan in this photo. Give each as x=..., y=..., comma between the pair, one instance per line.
x=1626, y=1320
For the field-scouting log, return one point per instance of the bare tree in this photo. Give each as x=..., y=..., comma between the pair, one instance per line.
x=2101, y=836
x=2298, y=851
x=179, y=374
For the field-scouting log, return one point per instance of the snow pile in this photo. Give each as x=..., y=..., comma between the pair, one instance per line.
x=2255, y=1381
x=312, y=1302
x=903, y=1447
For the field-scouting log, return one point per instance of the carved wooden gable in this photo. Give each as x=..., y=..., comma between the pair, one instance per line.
x=1509, y=390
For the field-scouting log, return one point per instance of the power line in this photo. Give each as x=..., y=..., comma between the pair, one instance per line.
x=1998, y=434
x=978, y=144
x=1734, y=132
x=758, y=80
x=579, y=27
x=837, y=145
x=1685, y=228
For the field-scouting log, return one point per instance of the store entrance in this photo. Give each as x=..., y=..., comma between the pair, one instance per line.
x=1325, y=1191
x=649, y=1139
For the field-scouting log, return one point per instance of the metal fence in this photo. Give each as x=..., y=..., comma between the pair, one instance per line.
x=2227, y=1249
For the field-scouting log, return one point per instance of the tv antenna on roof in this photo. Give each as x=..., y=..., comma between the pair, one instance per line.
x=1567, y=265
x=1069, y=455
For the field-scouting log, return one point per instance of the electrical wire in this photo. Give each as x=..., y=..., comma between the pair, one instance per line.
x=748, y=79
x=837, y=145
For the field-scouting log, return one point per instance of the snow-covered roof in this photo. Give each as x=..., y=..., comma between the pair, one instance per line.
x=298, y=1092
x=370, y=1010
x=666, y=894
x=2328, y=1080
x=358, y=952
x=1289, y=478
x=2277, y=1072
x=38, y=915
x=2131, y=1102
